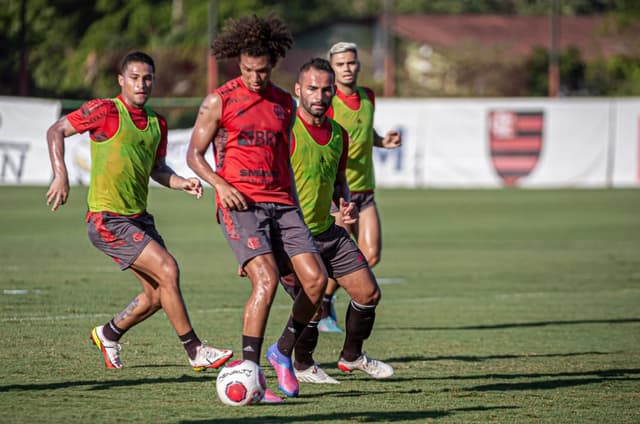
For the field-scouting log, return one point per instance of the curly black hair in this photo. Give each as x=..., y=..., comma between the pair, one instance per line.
x=253, y=36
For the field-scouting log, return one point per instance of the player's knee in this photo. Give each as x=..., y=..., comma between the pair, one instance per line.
x=149, y=301
x=369, y=298
x=315, y=285
x=169, y=273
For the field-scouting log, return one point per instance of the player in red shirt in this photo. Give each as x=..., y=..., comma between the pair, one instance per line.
x=128, y=146
x=248, y=120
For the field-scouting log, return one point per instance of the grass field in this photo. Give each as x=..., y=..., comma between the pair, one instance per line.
x=506, y=306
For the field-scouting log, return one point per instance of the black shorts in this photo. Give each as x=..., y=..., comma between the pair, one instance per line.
x=340, y=254
x=122, y=237
x=266, y=228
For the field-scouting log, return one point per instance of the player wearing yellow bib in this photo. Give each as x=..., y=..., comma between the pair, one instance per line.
x=128, y=146
x=353, y=107
x=318, y=160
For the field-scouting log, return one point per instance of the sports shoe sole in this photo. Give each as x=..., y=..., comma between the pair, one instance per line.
x=217, y=364
x=95, y=339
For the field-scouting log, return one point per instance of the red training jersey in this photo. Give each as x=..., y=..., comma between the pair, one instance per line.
x=100, y=117
x=252, y=145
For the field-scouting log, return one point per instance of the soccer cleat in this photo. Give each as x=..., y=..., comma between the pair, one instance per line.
x=270, y=397
x=110, y=349
x=315, y=374
x=373, y=367
x=328, y=325
x=209, y=357
x=287, y=382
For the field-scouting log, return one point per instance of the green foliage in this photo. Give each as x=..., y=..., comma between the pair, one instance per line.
x=74, y=47
x=618, y=76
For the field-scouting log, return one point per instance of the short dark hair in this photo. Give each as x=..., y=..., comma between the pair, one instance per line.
x=319, y=64
x=136, y=56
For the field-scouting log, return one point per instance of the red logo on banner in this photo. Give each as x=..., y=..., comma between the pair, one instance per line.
x=515, y=140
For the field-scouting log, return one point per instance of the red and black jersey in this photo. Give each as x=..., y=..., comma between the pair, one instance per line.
x=252, y=146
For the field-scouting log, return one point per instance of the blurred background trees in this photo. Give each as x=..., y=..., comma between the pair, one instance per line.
x=70, y=49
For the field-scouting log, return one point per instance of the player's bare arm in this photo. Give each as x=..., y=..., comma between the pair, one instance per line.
x=204, y=132
x=163, y=174
x=58, y=191
x=391, y=140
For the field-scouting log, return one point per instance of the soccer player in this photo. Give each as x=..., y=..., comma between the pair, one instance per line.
x=248, y=121
x=128, y=145
x=353, y=107
x=318, y=157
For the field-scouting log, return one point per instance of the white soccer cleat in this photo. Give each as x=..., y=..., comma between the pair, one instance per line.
x=209, y=357
x=110, y=350
x=373, y=367
x=315, y=374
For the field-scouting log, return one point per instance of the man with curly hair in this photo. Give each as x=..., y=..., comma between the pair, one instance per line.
x=248, y=121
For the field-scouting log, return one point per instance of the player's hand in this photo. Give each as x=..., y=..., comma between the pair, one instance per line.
x=193, y=186
x=231, y=198
x=58, y=193
x=348, y=211
x=392, y=139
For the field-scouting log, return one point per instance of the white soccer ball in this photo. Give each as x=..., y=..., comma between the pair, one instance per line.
x=241, y=383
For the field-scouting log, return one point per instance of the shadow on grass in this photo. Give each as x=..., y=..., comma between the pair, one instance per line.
x=515, y=325
x=478, y=358
x=544, y=385
x=99, y=385
x=360, y=417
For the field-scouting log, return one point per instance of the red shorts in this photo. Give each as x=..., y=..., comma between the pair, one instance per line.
x=122, y=237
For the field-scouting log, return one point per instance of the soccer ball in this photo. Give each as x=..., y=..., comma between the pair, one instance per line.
x=241, y=383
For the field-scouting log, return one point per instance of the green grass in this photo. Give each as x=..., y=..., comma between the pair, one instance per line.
x=504, y=306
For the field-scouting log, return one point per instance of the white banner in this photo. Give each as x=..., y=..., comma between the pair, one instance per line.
x=397, y=167
x=625, y=165
x=24, y=158
x=448, y=143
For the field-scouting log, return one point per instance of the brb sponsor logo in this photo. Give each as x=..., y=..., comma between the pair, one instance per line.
x=259, y=138
x=515, y=142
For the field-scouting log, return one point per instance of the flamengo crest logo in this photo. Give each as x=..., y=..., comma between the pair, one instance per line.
x=515, y=141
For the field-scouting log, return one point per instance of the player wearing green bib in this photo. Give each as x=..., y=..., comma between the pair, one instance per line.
x=315, y=167
x=318, y=159
x=120, y=165
x=359, y=125
x=353, y=107
x=128, y=146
